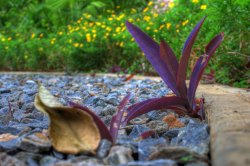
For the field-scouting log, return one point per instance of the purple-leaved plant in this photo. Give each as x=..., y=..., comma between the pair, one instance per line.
x=173, y=73
x=111, y=133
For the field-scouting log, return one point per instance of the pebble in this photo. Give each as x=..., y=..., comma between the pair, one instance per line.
x=119, y=155
x=19, y=118
x=194, y=136
x=147, y=146
x=103, y=148
x=159, y=162
x=36, y=143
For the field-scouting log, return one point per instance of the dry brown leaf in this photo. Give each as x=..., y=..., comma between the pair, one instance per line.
x=71, y=130
x=173, y=121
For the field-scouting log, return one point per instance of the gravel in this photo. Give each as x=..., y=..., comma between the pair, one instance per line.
x=23, y=128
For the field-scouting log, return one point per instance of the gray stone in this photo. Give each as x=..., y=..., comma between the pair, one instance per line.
x=156, y=115
x=48, y=161
x=147, y=146
x=119, y=155
x=181, y=155
x=7, y=160
x=137, y=131
x=172, y=133
x=197, y=164
x=103, y=148
x=36, y=143
x=29, y=158
x=158, y=125
x=80, y=161
x=159, y=162
x=194, y=136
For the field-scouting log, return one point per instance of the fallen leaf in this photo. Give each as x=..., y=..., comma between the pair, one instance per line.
x=172, y=121
x=71, y=130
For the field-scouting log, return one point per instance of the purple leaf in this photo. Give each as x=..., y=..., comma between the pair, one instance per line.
x=169, y=58
x=200, y=67
x=105, y=134
x=182, y=69
x=116, y=119
x=152, y=51
x=154, y=104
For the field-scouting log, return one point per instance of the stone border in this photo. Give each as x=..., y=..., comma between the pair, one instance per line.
x=228, y=111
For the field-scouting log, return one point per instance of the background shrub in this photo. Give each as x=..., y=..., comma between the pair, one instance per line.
x=81, y=35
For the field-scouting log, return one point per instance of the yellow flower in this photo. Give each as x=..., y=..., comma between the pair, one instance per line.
x=41, y=35
x=76, y=45
x=150, y=3
x=177, y=30
x=33, y=36
x=70, y=40
x=148, y=28
x=133, y=11
x=108, y=29
x=9, y=39
x=130, y=20
x=94, y=31
x=155, y=14
x=121, y=44
x=195, y=1
x=171, y=5
x=98, y=23
x=118, y=29
x=6, y=47
x=203, y=7
x=146, y=18
x=168, y=25
x=94, y=35
x=161, y=27
x=185, y=22
x=103, y=26
x=162, y=4
x=145, y=10
x=53, y=41
x=118, y=7
x=110, y=18
x=155, y=30
x=81, y=45
x=88, y=37
x=60, y=33
x=26, y=57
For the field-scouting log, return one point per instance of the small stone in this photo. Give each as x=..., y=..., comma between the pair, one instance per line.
x=29, y=158
x=30, y=82
x=48, y=161
x=159, y=126
x=80, y=161
x=159, y=162
x=103, y=148
x=58, y=154
x=197, y=164
x=156, y=115
x=137, y=131
x=4, y=91
x=10, y=160
x=36, y=143
x=172, y=133
x=8, y=142
x=147, y=146
x=194, y=136
x=119, y=155
x=109, y=110
x=180, y=154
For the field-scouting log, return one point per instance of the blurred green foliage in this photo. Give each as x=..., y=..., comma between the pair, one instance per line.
x=82, y=35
